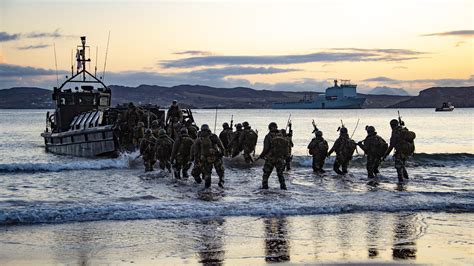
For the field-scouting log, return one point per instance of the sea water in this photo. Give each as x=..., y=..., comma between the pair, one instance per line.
x=39, y=188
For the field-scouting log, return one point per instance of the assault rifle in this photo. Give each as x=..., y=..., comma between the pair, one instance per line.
x=232, y=122
x=400, y=121
x=288, y=123
x=315, y=128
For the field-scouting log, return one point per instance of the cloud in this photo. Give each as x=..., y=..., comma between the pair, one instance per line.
x=461, y=33
x=54, y=34
x=8, y=70
x=30, y=47
x=236, y=71
x=400, y=67
x=380, y=79
x=332, y=55
x=5, y=37
x=193, y=52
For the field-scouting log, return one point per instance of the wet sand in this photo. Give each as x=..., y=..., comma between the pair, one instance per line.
x=426, y=238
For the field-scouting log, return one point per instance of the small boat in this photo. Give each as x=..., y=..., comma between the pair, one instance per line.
x=446, y=107
x=84, y=124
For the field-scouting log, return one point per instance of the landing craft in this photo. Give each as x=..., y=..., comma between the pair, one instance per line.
x=83, y=123
x=342, y=96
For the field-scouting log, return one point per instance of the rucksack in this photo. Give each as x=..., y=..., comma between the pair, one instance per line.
x=279, y=147
x=407, y=145
x=164, y=148
x=208, y=150
x=348, y=147
x=250, y=139
x=323, y=146
x=185, y=145
x=381, y=147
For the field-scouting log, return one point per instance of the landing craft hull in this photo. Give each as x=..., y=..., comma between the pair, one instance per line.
x=90, y=142
x=348, y=103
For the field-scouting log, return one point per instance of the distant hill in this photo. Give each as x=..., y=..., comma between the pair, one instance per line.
x=26, y=98
x=388, y=91
x=196, y=96
x=434, y=97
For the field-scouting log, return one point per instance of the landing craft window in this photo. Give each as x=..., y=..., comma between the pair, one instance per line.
x=104, y=101
x=66, y=100
x=87, y=100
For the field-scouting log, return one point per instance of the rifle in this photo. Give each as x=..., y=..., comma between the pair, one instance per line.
x=342, y=125
x=288, y=122
x=231, y=121
x=315, y=128
x=355, y=128
x=400, y=121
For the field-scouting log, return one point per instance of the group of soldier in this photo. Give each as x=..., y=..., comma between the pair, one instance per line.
x=179, y=145
x=374, y=146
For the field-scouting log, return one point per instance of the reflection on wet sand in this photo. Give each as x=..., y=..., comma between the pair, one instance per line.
x=405, y=233
x=277, y=245
x=211, y=241
x=373, y=234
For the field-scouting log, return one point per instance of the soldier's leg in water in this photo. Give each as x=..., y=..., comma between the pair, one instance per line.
x=168, y=165
x=219, y=166
x=207, y=171
x=162, y=163
x=177, y=169
x=321, y=163
x=186, y=166
x=196, y=173
x=267, y=171
x=344, y=166
x=404, y=162
x=336, y=166
x=280, y=167
x=399, y=167
x=370, y=166
x=315, y=164
x=288, y=162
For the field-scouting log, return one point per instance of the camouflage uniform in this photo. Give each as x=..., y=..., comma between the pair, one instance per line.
x=248, y=141
x=373, y=146
x=225, y=137
x=289, y=138
x=147, y=150
x=274, y=155
x=318, y=148
x=208, y=151
x=397, y=142
x=234, y=143
x=138, y=133
x=181, y=155
x=174, y=112
x=343, y=156
x=164, y=147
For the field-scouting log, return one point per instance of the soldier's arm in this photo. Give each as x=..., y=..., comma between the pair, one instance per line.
x=218, y=142
x=175, y=149
x=196, y=148
x=334, y=147
x=266, y=146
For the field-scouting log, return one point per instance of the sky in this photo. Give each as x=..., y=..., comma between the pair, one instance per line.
x=275, y=45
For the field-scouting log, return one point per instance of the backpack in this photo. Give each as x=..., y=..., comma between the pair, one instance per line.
x=208, y=150
x=185, y=145
x=381, y=147
x=250, y=139
x=407, y=144
x=323, y=147
x=164, y=148
x=348, y=147
x=279, y=147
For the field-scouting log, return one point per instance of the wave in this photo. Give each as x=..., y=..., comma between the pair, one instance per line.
x=418, y=160
x=389, y=202
x=125, y=160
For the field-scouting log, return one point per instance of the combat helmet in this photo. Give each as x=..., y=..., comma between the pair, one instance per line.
x=343, y=130
x=370, y=129
x=147, y=131
x=394, y=123
x=141, y=124
x=273, y=126
x=238, y=125
x=318, y=133
x=205, y=127
x=183, y=130
x=162, y=132
x=225, y=125
x=245, y=124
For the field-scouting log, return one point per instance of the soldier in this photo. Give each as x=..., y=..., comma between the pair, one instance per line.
x=248, y=140
x=225, y=137
x=275, y=152
x=344, y=147
x=138, y=133
x=234, y=143
x=208, y=153
x=174, y=111
x=164, y=147
x=318, y=148
x=192, y=129
x=375, y=148
x=155, y=128
x=402, y=141
x=288, y=137
x=132, y=117
x=147, y=150
x=181, y=155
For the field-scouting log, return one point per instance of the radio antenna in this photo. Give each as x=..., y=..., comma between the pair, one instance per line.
x=106, y=52
x=56, y=64
x=72, y=64
x=96, y=59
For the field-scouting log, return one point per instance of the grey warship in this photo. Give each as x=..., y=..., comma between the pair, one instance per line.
x=84, y=123
x=343, y=96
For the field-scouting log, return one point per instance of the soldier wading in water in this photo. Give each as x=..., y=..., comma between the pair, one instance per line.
x=344, y=148
x=318, y=148
x=208, y=152
x=375, y=148
x=275, y=152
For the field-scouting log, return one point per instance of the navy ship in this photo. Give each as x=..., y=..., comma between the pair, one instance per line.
x=343, y=96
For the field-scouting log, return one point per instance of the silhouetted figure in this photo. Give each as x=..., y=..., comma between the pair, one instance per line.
x=277, y=246
x=404, y=246
x=210, y=245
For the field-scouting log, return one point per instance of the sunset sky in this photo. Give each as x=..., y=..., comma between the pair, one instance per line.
x=283, y=45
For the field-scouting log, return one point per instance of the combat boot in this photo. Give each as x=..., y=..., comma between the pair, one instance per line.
x=282, y=183
x=176, y=174
x=207, y=183
x=185, y=174
x=264, y=185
